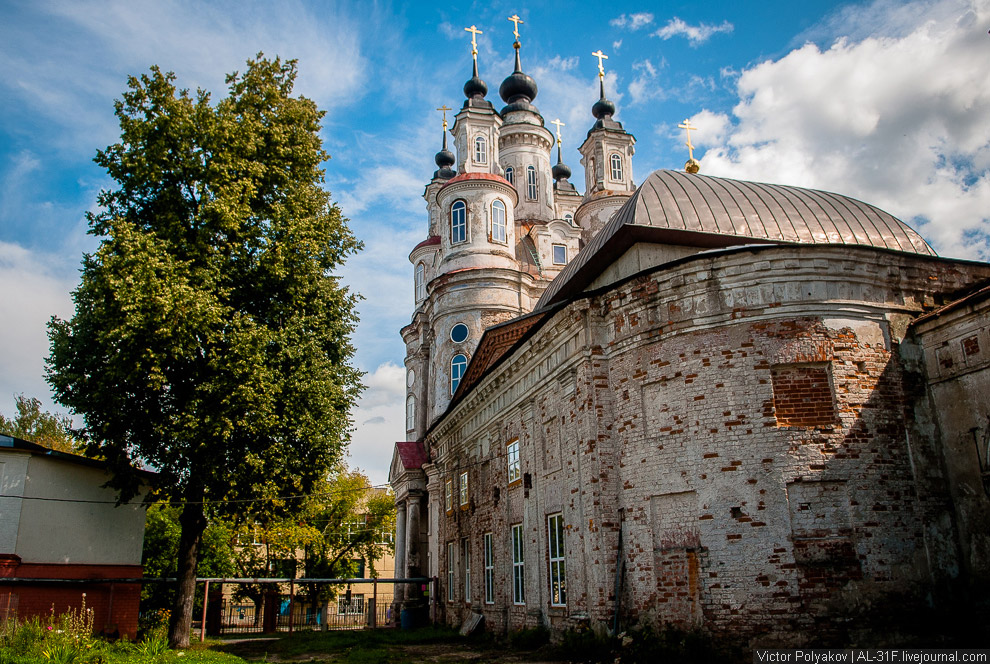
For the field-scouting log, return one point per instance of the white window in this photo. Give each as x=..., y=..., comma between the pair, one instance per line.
x=463, y=490
x=481, y=150
x=410, y=412
x=531, y=190
x=458, y=222
x=512, y=458
x=518, y=580
x=489, y=570
x=420, y=282
x=354, y=607
x=466, y=549
x=498, y=221
x=450, y=571
x=457, y=365
x=559, y=254
x=616, y=163
x=448, y=495
x=555, y=535
x=510, y=175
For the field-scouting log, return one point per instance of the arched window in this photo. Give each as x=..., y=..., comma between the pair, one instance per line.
x=481, y=150
x=420, y=282
x=616, y=163
x=458, y=222
x=510, y=175
x=569, y=217
x=458, y=364
x=531, y=182
x=498, y=221
x=410, y=413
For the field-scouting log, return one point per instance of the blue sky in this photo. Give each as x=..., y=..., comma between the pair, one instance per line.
x=885, y=101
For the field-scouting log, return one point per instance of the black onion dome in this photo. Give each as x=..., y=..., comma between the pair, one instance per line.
x=518, y=89
x=445, y=159
x=475, y=87
x=561, y=171
x=603, y=107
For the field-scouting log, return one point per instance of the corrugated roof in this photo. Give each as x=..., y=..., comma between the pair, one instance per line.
x=705, y=211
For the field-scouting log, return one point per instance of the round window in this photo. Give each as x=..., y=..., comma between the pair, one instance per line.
x=410, y=378
x=459, y=333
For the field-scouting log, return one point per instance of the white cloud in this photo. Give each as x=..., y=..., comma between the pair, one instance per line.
x=616, y=45
x=695, y=34
x=380, y=418
x=645, y=87
x=32, y=293
x=899, y=121
x=632, y=21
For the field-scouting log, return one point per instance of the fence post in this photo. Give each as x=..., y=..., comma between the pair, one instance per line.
x=292, y=608
x=374, y=612
x=206, y=599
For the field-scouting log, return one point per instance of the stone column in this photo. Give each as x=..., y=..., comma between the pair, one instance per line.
x=413, y=553
x=400, y=550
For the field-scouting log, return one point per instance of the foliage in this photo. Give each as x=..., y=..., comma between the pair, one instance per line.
x=41, y=427
x=210, y=339
x=529, y=638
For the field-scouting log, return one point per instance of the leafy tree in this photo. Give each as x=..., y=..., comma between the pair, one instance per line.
x=210, y=339
x=41, y=427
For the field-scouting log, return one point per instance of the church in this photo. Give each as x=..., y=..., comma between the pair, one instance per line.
x=758, y=410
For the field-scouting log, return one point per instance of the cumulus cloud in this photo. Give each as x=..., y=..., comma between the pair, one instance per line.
x=381, y=414
x=645, y=87
x=896, y=119
x=632, y=21
x=695, y=34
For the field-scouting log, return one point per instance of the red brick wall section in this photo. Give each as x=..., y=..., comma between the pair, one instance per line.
x=115, y=605
x=802, y=395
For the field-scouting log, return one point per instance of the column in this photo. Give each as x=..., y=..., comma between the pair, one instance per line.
x=400, y=550
x=413, y=544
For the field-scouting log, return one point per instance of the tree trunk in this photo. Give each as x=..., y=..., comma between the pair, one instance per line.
x=193, y=523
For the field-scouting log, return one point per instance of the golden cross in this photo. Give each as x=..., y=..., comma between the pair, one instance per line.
x=474, y=42
x=444, y=108
x=559, y=125
x=686, y=126
x=601, y=56
x=516, y=20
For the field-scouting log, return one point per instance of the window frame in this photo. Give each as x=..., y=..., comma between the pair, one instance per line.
x=510, y=175
x=458, y=223
x=553, y=254
x=480, y=149
x=532, y=184
x=450, y=572
x=513, y=462
x=448, y=495
x=615, y=166
x=492, y=235
x=420, y=281
x=489, y=563
x=518, y=576
x=463, y=493
x=410, y=412
x=556, y=551
x=461, y=368
x=466, y=558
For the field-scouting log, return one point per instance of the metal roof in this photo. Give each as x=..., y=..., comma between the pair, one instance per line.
x=706, y=211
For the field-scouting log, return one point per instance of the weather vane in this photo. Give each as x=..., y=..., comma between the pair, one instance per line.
x=474, y=42
x=559, y=125
x=601, y=56
x=692, y=165
x=516, y=21
x=444, y=109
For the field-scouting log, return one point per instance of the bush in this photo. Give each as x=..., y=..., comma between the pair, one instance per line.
x=529, y=638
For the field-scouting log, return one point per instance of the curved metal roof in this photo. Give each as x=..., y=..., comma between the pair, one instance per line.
x=705, y=211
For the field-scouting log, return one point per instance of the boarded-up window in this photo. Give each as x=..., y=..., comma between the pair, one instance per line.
x=802, y=395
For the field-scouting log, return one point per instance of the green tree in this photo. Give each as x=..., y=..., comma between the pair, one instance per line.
x=41, y=427
x=210, y=339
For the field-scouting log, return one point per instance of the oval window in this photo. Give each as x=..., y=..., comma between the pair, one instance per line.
x=459, y=333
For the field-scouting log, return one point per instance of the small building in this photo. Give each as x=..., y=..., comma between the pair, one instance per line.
x=59, y=520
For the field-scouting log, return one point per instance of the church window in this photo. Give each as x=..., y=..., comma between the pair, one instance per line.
x=457, y=366
x=512, y=459
x=481, y=150
x=462, y=489
x=410, y=412
x=498, y=221
x=459, y=333
x=569, y=217
x=420, y=282
x=448, y=496
x=531, y=190
x=466, y=557
x=450, y=571
x=559, y=254
x=510, y=175
x=555, y=535
x=616, y=163
x=489, y=570
x=458, y=222
x=518, y=571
